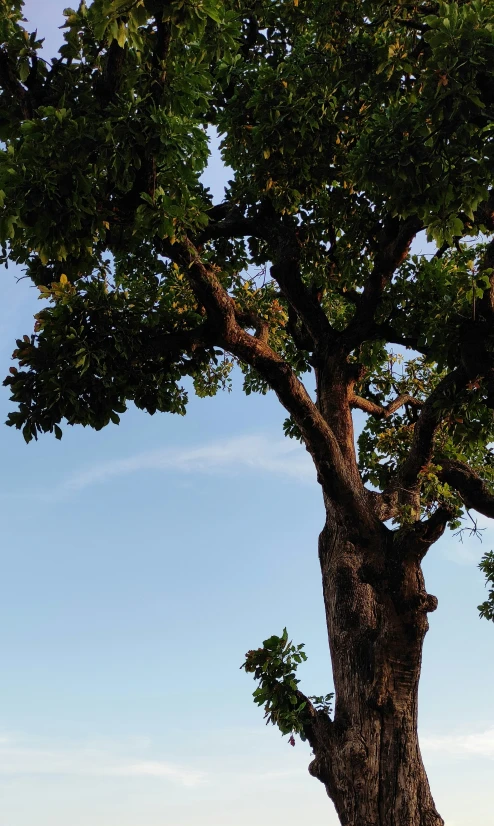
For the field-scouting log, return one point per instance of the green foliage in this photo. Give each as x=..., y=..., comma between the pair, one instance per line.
x=435, y=298
x=465, y=433
x=274, y=666
x=98, y=346
x=340, y=119
x=113, y=144
x=487, y=567
x=328, y=84
x=438, y=296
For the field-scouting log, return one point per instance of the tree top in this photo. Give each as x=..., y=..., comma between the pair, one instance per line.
x=352, y=128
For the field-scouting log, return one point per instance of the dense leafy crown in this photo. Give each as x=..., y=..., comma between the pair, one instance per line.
x=351, y=126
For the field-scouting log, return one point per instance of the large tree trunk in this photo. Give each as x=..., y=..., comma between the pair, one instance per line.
x=376, y=608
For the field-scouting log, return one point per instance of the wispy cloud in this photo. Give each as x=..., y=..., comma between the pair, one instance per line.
x=19, y=758
x=157, y=768
x=257, y=453
x=478, y=744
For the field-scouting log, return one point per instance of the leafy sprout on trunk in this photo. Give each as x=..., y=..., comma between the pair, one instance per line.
x=274, y=666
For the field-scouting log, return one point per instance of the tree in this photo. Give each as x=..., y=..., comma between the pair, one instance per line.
x=352, y=127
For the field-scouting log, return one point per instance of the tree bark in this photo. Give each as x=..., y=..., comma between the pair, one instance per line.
x=376, y=610
x=376, y=604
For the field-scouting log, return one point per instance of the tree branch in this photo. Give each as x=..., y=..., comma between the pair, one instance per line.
x=384, y=505
x=392, y=248
x=485, y=212
x=381, y=412
x=183, y=341
x=386, y=332
x=229, y=223
x=252, y=319
x=286, y=272
x=299, y=334
x=475, y=361
x=474, y=492
x=228, y=333
x=430, y=530
x=432, y=413
x=162, y=48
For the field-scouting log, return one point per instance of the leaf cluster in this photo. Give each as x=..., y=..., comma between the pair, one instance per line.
x=487, y=567
x=98, y=346
x=274, y=666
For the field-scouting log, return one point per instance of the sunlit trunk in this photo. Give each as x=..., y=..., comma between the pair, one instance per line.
x=376, y=610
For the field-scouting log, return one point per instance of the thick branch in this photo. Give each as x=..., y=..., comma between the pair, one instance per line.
x=286, y=271
x=299, y=334
x=319, y=732
x=187, y=341
x=384, y=505
x=250, y=34
x=404, y=487
x=477, y=361
x=473, y=490
x=318, y=436
x=381, y=412
x=253, y=320
x=229, y=223
x=285, y=243
x=392, y=249
x=209, y=291
x=318, y=724
x=484, y=216
x=386, y=332
x=433, y=412
x=426, y=533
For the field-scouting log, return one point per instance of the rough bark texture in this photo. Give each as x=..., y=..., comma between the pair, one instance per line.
x=376, y=610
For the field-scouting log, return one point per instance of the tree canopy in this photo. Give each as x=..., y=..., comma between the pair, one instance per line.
x=351, y=127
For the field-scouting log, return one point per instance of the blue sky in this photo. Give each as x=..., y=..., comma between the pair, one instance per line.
x=139, y=564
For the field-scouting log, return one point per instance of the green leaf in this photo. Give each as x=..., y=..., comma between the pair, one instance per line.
x=24, y=69
x=27, y=433
x=213, y=11
x=121, y=34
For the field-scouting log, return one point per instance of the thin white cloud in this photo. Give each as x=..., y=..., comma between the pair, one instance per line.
x=253, y=452
x=17, y=758
x=156, y=768
x=478, y=744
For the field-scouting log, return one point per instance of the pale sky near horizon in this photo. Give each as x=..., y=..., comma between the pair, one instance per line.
x=139, y=564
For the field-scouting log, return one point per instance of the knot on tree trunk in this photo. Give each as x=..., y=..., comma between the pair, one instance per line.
x=431, y=603
x=317, y=768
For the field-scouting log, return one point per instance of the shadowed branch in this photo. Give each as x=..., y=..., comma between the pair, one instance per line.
x=383, y=412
